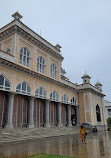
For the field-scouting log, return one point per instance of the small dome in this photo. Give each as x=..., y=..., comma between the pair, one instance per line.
x=58, y=46
x=98, y=84
x=86, y=78
x=86, y=75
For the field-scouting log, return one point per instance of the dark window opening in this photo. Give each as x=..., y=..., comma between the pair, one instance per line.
x=98, y=115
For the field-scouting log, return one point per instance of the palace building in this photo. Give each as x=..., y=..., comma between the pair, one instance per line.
x=34, y=91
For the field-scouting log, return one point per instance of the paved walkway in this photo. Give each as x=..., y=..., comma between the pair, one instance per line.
x=98, y=146
x=25, y=134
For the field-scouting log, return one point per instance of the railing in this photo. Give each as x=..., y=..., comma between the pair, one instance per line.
x=68, y=83
x=84, y=86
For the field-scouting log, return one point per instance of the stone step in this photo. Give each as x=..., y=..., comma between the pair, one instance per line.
x=19, y=134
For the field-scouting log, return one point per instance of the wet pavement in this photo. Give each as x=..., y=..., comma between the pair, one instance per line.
x=98, y=146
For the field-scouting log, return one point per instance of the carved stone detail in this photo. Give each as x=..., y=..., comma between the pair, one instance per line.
x=10, y=75
x=19, y=68
x=16, y=29
x=18, y=78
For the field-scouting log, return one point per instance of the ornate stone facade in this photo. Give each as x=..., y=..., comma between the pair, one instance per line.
x=33, y=88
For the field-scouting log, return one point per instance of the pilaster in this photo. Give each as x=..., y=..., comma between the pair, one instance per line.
x=59, y=115
x=47, y=114
x=77, y=115
x=10, y=111
x=31, y=113
x=69, y=115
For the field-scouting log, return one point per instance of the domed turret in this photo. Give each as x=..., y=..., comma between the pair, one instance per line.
x=86, y=78
x=98, y=85
x=58, y=46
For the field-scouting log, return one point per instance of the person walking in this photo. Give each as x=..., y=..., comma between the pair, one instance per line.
x=83, y=134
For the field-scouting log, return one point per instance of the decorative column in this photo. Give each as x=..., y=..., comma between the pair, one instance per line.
x=10, y=111
x=77, y=115
x=59, y=115
x=69, y=115
x=31, y=113
x=47, y=114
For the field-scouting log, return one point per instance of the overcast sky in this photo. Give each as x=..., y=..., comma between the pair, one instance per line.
x=81, y=27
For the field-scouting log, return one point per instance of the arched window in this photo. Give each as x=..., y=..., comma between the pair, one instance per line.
x=23, y=88
x=4, y=83
x=40, y=92
x=65, y=99
x=98, y=114
x=24, y=56
x=53, y=70
x=40, y=64
x=54, y=96
x=73, y=101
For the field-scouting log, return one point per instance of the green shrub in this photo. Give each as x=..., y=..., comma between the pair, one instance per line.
x=48, y=156
x=109, y=121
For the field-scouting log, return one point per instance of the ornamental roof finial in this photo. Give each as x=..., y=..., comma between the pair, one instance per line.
x=58, y=46
x=17, y=16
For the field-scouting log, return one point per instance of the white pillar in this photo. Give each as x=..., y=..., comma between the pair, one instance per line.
x=10, y=111
x=47, y=114
x=59, y=115
x=77, y=115
x=31, y=113
x=69, y=115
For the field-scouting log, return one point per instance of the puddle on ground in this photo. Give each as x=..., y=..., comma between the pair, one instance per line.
x=98, y=146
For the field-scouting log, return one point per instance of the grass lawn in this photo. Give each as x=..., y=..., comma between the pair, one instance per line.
x=48, y=156
x=44, y=156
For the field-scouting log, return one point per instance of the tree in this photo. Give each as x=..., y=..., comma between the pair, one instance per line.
x=109, y=121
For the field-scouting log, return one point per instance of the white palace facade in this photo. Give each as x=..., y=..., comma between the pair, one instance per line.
x=34, y=91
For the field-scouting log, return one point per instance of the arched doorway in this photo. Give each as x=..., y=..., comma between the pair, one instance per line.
x=5, y=86
x=98, y=114
x=39, y=112
x=53, y=113
x=21, y=111
x=53, y=107
x=64, y=117
x=73, y=115
x=3, y=108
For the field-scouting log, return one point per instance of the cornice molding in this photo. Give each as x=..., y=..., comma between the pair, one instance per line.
x=91, y=90
x=21, y=69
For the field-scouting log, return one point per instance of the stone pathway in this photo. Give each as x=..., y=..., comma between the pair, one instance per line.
x=98, y=146
x=25, y=134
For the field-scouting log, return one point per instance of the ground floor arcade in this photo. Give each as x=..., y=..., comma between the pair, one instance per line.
x=17, y=110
